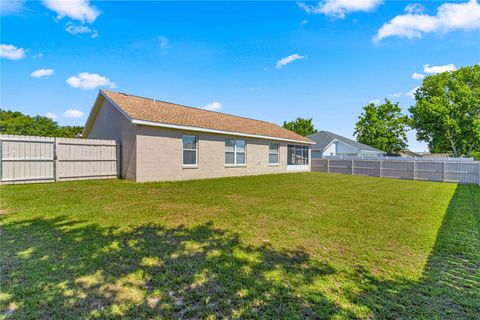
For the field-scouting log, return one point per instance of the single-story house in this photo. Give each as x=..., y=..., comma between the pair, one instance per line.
x=409, y=154
x=166, y=141
x=433, y=155
x=331, y=144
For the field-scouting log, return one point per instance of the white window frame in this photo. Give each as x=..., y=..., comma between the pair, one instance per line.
x=275, y=153
x=235, y=164
x=196, y=152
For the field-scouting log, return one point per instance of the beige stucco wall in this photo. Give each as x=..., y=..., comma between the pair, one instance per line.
x=159, y=156
x=111, y=124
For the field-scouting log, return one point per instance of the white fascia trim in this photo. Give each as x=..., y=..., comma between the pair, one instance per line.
x=189, y=128
x=117, y=107
x=90, y=116
x=94, y=111
x=231, y=133
x=336, y=140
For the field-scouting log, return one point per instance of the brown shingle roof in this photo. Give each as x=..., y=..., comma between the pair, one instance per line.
x=140, y=108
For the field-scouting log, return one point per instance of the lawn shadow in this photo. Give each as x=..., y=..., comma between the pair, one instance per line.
x=63, y=269
x=449, y=287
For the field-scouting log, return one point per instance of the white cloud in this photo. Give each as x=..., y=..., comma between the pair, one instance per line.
x=11, y=6
x=438, y=69
x=374, y=101
x=339, y=8
x=38, y=56
x=304, y=22
x=81, y=29
x=41, y=73
x=411, y=93
x=418, y=76
x=163, y=42
x=51, y=115
x=414, y=8
x=11, y=52
x=79, y=10
x=284, y=61
x=214, y=106
x=85, y=80
x=73, y=113
x=395, y=95
x=449, y=17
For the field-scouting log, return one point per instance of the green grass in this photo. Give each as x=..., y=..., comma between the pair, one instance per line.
x=276, y=246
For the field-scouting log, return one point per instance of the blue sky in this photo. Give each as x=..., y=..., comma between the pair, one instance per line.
x=227, y=56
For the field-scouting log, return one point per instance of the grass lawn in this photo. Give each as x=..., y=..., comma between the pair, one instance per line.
x=306, y=245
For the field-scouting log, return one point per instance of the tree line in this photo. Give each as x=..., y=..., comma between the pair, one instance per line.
x=14, y=122
x=446, y=115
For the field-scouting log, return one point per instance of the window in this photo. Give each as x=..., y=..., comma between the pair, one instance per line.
x=274, y=153
x=235, y=152
x=190, y=144
x=297, y=155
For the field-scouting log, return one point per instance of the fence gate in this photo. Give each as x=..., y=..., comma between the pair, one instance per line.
x=26, y=159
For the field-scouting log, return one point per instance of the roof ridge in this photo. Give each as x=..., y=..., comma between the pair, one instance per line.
x=330, y=136
x=196, y=108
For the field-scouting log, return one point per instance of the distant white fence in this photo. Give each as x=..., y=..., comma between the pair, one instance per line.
x=25, y=159
x=445, y=170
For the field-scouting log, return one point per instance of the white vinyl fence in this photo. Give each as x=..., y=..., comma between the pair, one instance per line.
x=25, y=159
x=445, y=170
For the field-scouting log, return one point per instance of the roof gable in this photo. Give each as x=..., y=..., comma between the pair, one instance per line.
x=164, y=114
x=324, y=138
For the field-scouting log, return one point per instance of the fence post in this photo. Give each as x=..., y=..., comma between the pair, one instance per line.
x=381, y=165
x=414, y=169
x=119, y=159
x=328, y=165
x=352, y=166
x=443, y=170
x=55, y=159
x=478, y=172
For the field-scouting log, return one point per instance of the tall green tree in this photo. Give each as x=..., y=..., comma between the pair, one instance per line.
x=383, y=127
x=446, y=114
x=14, y=122
x=302, y=126
x=70, y=131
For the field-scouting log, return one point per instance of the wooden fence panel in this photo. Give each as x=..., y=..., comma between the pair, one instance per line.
x=27, y=159
x=462, y=172
x=366, y=168
x=459, y=171
x=341, y=166
x=397, y=169
x=86, y=159
x=430, y=170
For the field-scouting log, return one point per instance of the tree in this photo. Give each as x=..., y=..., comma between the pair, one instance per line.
x=446, y=114
x=70, y=131
x=302, y=126
x=383, y=127
x=14, y=122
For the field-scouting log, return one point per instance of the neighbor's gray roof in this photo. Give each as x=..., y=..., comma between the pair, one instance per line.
x=324, y=138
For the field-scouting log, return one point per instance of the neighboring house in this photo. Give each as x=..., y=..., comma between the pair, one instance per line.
x=331, y=144
x=409, y=154
x=166, y=141
x=433, y=155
